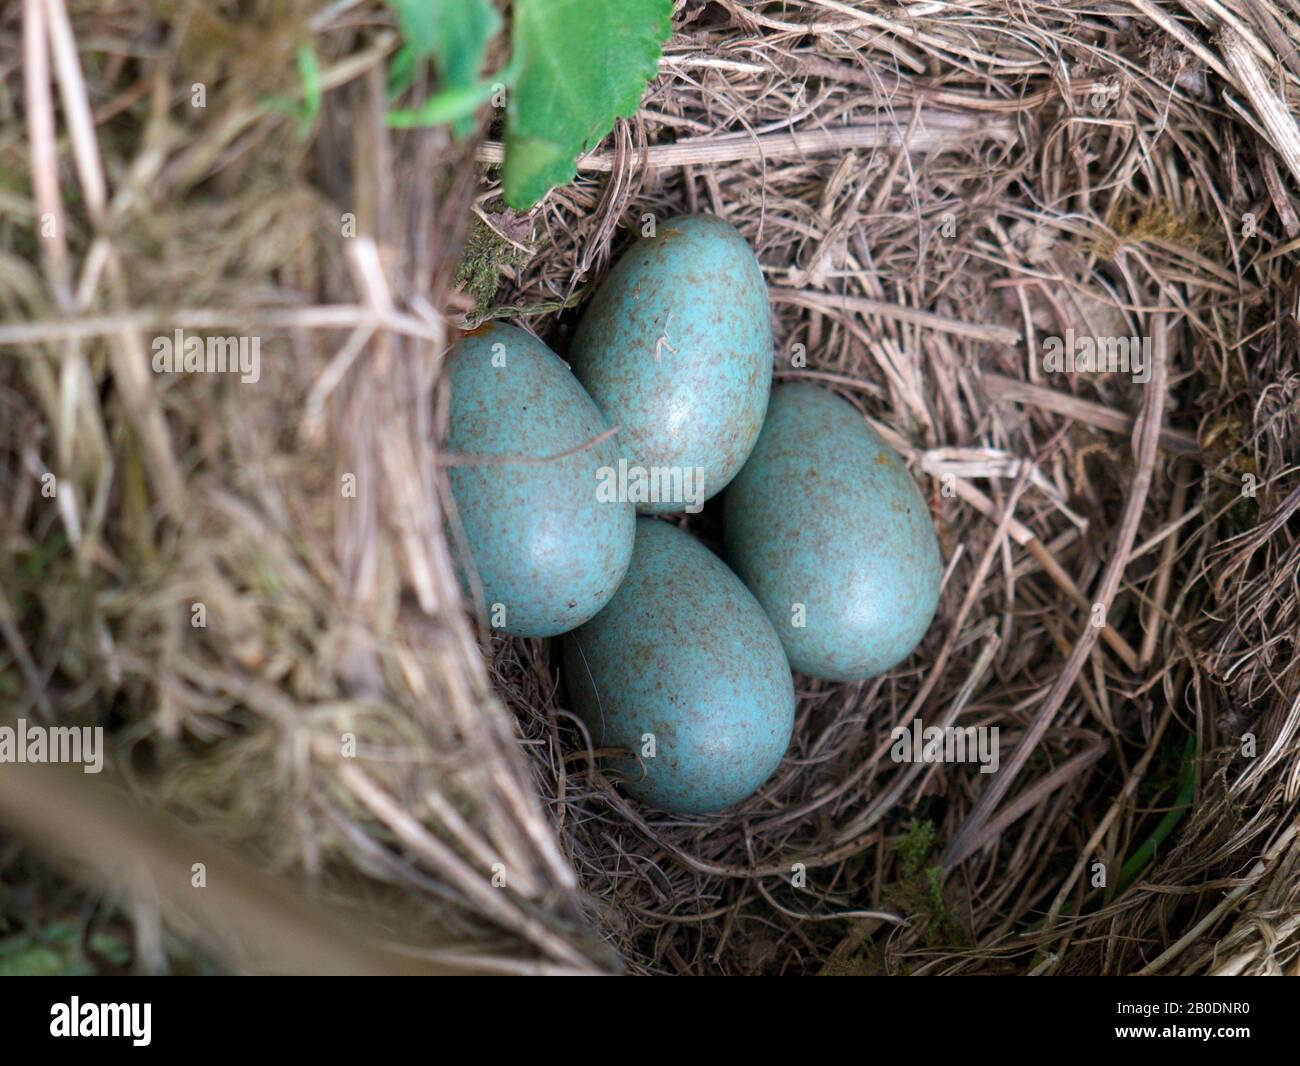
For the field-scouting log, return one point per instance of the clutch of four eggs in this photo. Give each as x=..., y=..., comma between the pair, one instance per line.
x=834, y=565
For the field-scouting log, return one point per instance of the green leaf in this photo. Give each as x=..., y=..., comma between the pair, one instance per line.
x=455, y=34
x=402, y=68
x=1141, y=858
x=309, y=73
x=451, y=105
x=306, y=110
x=582, y=64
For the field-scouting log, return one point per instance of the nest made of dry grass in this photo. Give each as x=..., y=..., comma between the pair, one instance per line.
x=932, y=189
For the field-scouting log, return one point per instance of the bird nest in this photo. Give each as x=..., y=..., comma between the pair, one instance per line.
x=247, y=583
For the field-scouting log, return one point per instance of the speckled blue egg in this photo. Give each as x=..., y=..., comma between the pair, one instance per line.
x=683, y=656
x=829, y=531
x=676, y=350
x=548, y=547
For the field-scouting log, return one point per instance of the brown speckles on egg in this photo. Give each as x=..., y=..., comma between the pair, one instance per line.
x=676, y=349
x=684, y=646
x=824, y=514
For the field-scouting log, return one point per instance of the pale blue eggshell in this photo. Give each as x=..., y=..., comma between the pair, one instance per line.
x=544, y=545
x=683, y=652
x=676, y=350
x=826, y=517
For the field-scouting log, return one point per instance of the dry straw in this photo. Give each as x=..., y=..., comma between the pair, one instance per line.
x=934, y=189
